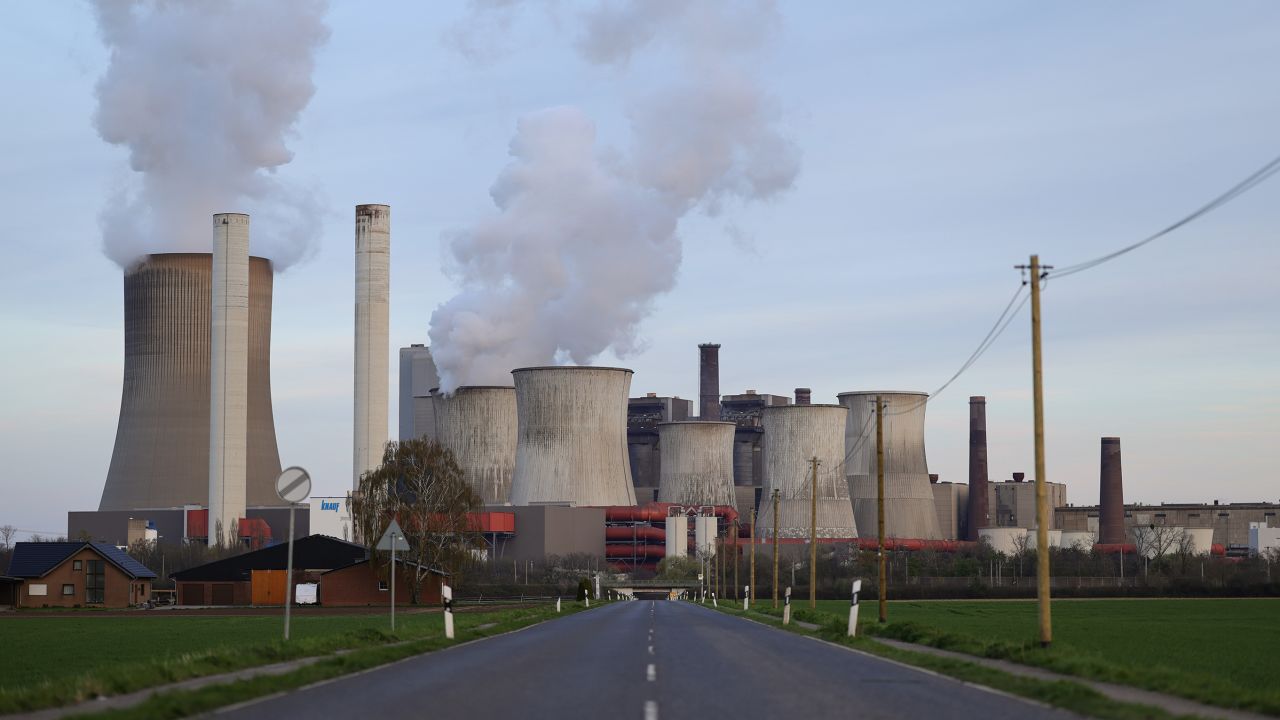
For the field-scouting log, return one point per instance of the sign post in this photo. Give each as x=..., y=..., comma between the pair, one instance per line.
x=293, y=486
x=393, y=539
x=853, y=608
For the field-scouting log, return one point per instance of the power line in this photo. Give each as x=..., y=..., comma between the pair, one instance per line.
x=1257, y=178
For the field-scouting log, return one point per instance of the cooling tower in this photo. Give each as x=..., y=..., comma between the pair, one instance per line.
x=228, y=377
x=1111, y=507
x=478, y=423
x=909, y=511
x=709, y=382
x=161, y=456
x=571, y=447
x=792, y=435
x=696, y=465
x=979, y=512
x=373, y=286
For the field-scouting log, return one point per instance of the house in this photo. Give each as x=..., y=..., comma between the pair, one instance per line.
x=77, y=574
x=340, y=568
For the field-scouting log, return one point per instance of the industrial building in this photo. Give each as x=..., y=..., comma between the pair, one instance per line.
x=953, y=507
x=644, y=414
x=1013, y=502
x=1230, y=521
x=744, y=411
x=418, y=377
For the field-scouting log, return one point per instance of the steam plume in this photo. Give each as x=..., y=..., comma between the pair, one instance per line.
x=585, y=236
x=203, y=96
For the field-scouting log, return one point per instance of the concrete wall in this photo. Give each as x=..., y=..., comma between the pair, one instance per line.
x=572, y=442
x=909, y=506
x=697, y=463
x=792, y=435
x=479, y=425
x=543, y=530
x=372, y=319
x=161, y=453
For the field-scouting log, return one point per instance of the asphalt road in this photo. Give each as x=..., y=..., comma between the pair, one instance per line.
x=646, y=660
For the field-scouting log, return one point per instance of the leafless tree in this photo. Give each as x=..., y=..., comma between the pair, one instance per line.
x=1153, y=542
x=1021, y=546
x=420, y=485
x=6, y=535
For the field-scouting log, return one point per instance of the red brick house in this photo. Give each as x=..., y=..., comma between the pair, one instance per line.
x=358, y=584
x=77, y=574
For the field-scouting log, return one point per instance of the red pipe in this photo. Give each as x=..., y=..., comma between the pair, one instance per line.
x=640, y=552
x=638, y=534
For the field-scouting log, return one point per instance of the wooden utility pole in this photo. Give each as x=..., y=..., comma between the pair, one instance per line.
x=753, y=555
x=736, y=562
x=775, y=548
x=813, y=533
x=1042, y=500
x=883, y=581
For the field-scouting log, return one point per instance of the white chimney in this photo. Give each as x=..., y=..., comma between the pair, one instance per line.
x=373, y=286
x=228, y=377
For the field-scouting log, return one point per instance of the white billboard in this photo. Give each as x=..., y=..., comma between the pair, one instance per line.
x=331, y=516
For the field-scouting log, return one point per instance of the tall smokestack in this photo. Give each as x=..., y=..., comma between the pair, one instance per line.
x=1111, y=510
x=228, y=377
x=979, y=512
x=373, y=287
x=709, y=382
x=803, y=395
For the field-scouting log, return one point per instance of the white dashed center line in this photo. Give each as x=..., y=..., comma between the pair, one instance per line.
x=651, y=673
x=650, y=710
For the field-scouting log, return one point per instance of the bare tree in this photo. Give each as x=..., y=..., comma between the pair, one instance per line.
x=6, y=535
x=1153, y=542
x=420, y=485
x=1021, y=546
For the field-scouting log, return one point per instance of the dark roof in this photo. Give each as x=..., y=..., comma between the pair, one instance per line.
x=36, y=559
x=399, y=561
x=316, y=552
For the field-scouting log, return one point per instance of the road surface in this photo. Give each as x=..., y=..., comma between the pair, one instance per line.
x=647, y=660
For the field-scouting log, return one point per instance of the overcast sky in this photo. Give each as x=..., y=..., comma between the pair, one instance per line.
x=940, y=144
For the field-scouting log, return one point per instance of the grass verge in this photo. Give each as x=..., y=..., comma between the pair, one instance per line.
x=183, y=703
x=115, y=678
x=1064, y=694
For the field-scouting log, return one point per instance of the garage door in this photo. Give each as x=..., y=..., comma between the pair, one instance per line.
x=224, y=594
x=192, y=594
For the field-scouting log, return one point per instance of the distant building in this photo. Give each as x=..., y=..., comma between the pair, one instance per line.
x=1012, y=503
x=1263, y=540
x=748, y=445
x=418, y=376
x=643, y=416
x=77, y=574
x=952, y=503
x=331, y=516
x=1230, y=522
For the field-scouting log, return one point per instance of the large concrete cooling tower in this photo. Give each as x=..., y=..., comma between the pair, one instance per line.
x=792, y=435
x=228, y=377
x=478, y=423
x=161, y=455
x=572, y=442
x=696, y=465
x=909, y=510
x=373, y=287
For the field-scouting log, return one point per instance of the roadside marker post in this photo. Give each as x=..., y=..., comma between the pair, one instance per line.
x=557, y=603
x=853, y=608
x=713, y=600
x=746, y=598
x=446, y=594
x=293, y=486
x=786, y=607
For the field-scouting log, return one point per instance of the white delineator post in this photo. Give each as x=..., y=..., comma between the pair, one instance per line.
x=373, y=287
x=746, y=598
x=446, y=593
x=228, y=377
x=853, y=608
x=786, y=608
x=557, y=604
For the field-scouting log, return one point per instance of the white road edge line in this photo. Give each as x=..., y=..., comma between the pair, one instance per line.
x=650, y=710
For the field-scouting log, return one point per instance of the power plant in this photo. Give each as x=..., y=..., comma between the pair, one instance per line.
x=793, y=436
x=161, y=457
x=978, y=507
x=373, y=317
x=909, y=504
x=697, y=463
x=572, y=444
x=478, y=424
x=228, y=377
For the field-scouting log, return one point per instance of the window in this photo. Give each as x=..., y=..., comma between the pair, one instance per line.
x=40, y=589
x=382, y=585
x=68, y=589
x=77, y=565
x=95, y=580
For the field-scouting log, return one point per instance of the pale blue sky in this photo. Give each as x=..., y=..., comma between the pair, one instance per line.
x=942, y=143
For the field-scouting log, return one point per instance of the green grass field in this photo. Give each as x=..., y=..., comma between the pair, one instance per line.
x=1217, y=650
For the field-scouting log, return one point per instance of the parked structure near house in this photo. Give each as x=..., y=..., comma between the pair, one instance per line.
x=359, y=584
x=77, y=574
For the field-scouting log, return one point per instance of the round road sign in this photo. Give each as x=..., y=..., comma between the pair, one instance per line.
x=293, y=485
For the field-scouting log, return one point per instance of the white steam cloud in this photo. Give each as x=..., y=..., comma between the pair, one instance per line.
x=585, y=236
x=203, y=95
